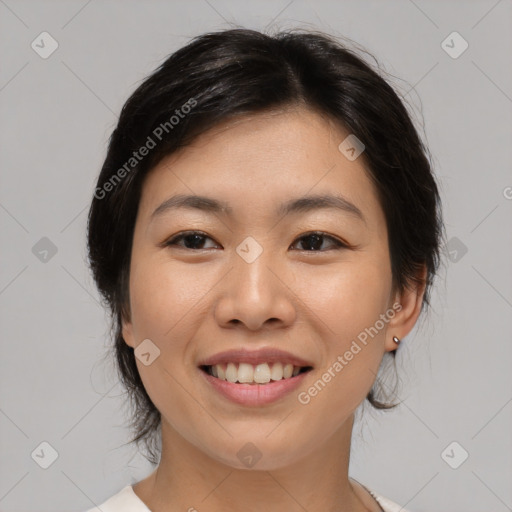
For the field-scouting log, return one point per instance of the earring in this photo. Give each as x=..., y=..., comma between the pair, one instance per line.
x=396, y=340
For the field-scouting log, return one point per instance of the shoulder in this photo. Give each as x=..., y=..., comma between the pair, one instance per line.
x=124, y=501
x=127, y=501
x=386, y=504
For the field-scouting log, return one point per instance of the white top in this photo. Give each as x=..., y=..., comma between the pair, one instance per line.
x=127, y=501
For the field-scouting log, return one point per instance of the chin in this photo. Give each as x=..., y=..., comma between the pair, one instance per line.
x=258, y=453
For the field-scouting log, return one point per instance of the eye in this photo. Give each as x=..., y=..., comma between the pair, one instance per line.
x=315, y=241
x=191, y=240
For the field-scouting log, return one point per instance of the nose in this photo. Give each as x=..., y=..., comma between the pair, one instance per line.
x=255, y=295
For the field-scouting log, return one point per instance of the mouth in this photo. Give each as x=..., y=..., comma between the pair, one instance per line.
x=254, y=378
x=254, y=374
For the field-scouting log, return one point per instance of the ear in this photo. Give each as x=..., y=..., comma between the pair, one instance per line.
x=406, y=316
x=127, y=331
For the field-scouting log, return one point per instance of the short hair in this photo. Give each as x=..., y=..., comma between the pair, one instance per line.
x=226, y=74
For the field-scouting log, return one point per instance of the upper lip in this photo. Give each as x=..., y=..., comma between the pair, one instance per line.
x=254, y=357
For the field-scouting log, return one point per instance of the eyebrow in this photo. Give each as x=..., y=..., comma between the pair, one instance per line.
x=299, y=205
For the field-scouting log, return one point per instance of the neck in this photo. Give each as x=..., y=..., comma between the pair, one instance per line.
x=188, y=479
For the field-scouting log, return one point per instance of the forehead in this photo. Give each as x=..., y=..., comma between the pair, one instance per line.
x=259, y=160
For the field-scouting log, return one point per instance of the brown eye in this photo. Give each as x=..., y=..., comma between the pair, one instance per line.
x=311, y=242
x=314, y=241
x=191, y=240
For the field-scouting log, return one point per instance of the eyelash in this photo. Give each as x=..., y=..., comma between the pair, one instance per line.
x=338, y=244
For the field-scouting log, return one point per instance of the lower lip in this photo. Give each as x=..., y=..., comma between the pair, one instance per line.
x=255, y=394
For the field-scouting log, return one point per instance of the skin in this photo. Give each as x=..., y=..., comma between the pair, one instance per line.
x=195, y=302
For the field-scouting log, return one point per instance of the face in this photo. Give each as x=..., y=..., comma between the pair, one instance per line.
x=250, y=285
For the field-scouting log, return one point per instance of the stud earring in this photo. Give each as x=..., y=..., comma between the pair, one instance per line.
x=396, y=340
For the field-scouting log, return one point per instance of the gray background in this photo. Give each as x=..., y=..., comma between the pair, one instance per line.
x=56, y=116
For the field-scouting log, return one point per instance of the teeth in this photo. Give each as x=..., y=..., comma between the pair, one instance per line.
x=250, y=374
x=277, y=371
x=231, y=372
x=261, y=373
x=245, y=372
x=287, y=371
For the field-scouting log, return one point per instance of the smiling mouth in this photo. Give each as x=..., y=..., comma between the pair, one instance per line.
x=264, y=373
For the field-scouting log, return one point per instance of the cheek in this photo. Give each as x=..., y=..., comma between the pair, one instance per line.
x=166, y=301
x=163, y=299
x=347, y=299
x=349, y=303
x=162, y=294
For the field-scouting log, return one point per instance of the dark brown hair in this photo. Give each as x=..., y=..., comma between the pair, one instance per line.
x=219, y=76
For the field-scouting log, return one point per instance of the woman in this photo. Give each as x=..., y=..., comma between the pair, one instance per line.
x=265, y=230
